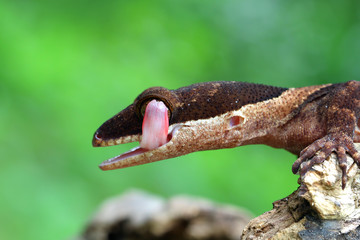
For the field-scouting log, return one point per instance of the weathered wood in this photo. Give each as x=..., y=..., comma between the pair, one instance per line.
x=319, y=209
x=139, y=215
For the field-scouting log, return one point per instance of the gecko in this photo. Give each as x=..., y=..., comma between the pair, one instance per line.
x=311, y=122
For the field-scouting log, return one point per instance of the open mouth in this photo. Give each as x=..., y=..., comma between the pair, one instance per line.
x=124, y=160
x=156, y=134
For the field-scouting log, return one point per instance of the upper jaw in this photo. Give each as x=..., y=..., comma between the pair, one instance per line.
x=122, y=128
x=98, y=142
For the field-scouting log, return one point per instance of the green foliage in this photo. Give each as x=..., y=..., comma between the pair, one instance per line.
x=66, y=66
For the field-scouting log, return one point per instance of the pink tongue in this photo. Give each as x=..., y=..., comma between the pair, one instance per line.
x=155, y=125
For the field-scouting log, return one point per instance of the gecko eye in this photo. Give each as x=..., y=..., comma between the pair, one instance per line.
x=158, y=93
x=143, y=104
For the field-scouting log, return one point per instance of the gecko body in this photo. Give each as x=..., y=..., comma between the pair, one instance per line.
x=311, y=122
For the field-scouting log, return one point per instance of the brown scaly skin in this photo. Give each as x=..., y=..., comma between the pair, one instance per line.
x=311, y=122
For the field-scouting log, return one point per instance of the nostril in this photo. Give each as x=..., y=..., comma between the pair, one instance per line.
x=98, y=136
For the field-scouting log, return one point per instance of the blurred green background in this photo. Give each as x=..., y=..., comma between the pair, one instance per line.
x=67, y=66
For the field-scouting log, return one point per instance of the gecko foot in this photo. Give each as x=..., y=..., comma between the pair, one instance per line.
x=318, y=151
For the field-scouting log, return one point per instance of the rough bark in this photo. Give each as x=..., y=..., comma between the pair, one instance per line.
x=319, y=209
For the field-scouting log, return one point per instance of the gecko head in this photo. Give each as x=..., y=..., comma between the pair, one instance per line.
x=126, y=126
x=160, y=122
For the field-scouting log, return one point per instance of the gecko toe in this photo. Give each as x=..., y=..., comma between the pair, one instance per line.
x=308, y=153
x=354, y=153
x=356, y=157
x=341, y=154
x=296, y=165
x=318, y=159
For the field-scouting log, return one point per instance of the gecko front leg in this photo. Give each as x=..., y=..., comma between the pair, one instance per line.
x=317, y=152
x=342, y=107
